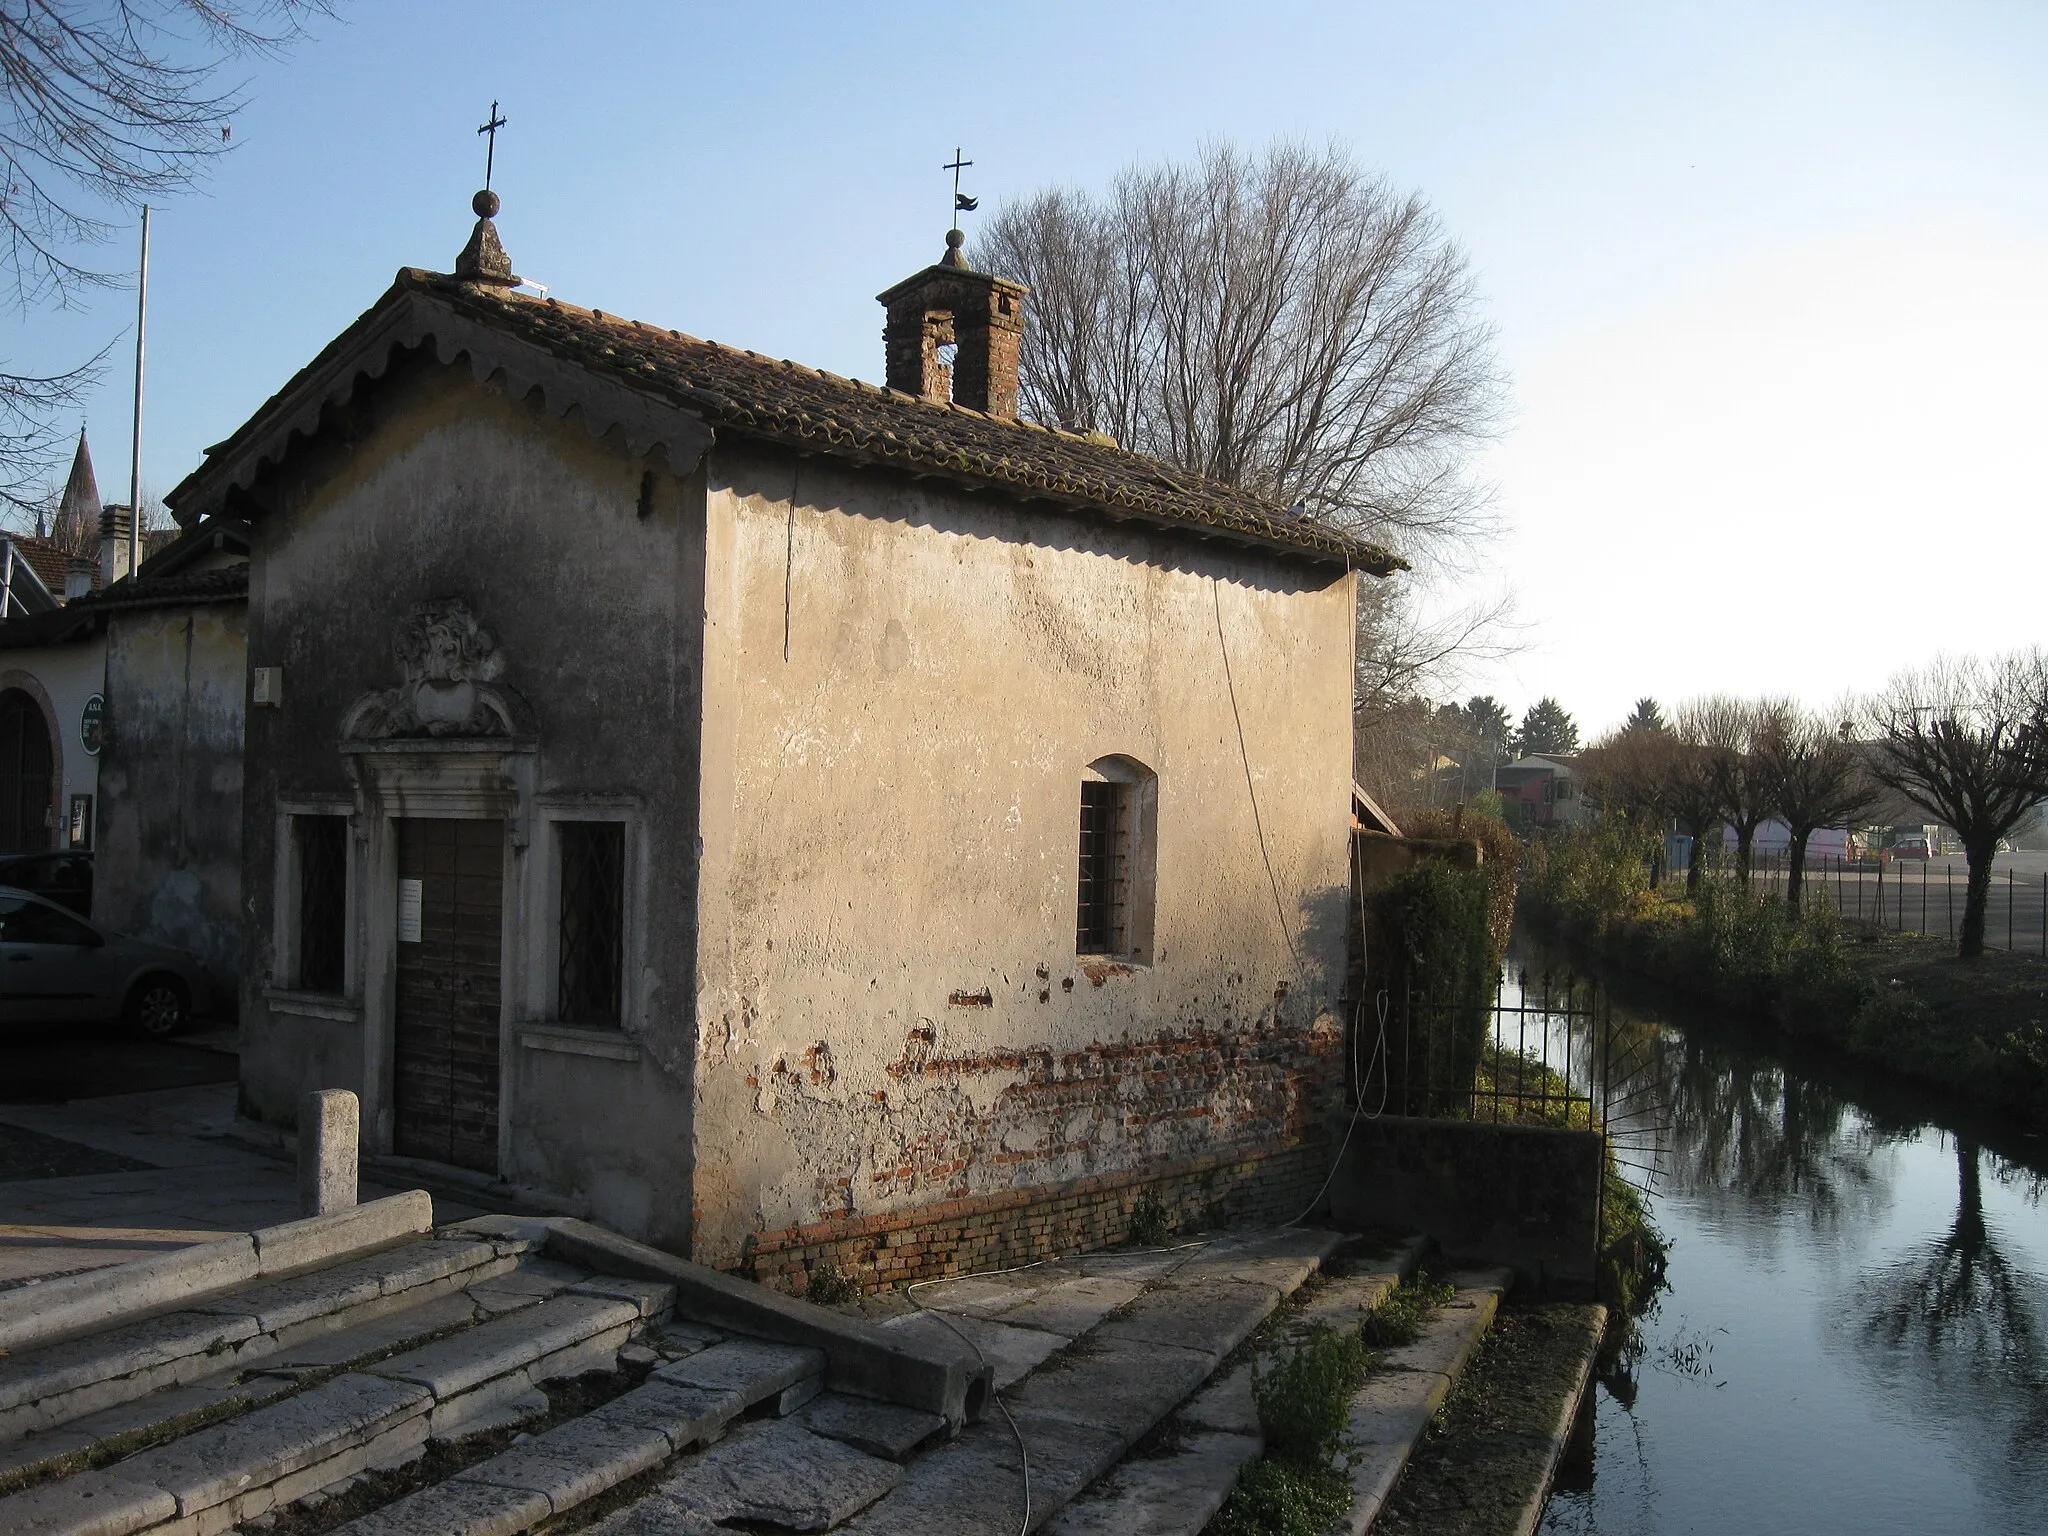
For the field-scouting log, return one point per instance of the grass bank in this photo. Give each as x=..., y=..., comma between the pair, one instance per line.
x=1487, y=1457
x=1902, y=1002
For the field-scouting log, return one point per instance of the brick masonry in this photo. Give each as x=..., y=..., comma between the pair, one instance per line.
x=965, y=1236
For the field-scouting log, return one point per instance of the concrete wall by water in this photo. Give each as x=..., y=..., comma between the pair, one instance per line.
x=1523, y=1195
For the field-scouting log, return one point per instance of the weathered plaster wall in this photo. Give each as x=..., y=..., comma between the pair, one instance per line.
x=170, y=811
x=61, y=678
x=588, y=574
x=903, y=686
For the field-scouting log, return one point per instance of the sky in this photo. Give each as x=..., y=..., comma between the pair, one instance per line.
x=1767, y=279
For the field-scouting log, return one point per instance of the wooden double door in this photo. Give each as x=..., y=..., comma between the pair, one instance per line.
x=451, y=876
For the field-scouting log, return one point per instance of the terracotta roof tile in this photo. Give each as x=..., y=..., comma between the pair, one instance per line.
x=819, y=412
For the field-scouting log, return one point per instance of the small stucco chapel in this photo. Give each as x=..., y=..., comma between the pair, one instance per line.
x=784, y=818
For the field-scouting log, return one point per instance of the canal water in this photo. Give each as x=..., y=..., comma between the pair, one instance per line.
x=1855, y=1338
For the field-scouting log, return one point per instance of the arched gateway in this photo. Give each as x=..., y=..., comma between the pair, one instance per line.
x=25, y=773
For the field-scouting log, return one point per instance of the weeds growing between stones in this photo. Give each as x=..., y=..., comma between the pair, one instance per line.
x=1304, y=1402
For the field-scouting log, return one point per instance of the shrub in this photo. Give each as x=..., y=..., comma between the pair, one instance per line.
x=1398, y=1318
x=1305, y=1399
x=829, y=1285
x=1283, y=1498
x=1150, y=1224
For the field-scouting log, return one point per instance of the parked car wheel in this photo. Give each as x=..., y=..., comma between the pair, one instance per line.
x=159, y=1006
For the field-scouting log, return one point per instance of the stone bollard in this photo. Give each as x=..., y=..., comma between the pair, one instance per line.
x=329, y=1122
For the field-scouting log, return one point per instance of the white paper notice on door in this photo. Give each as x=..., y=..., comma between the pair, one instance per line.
x=409, y=897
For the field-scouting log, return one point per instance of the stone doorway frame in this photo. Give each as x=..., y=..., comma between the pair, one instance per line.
x=489, y=779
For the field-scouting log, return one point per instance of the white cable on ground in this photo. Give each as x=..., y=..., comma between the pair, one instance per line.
x=1023, y=1455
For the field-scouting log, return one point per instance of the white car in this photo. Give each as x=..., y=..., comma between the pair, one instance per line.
x=58, y=968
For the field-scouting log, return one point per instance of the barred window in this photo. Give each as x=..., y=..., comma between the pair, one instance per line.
x=1119, y=857
x=593, y=926
x=322, y=848
x=1105, y=868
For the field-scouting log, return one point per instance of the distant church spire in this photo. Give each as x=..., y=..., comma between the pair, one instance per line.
x=80, y=507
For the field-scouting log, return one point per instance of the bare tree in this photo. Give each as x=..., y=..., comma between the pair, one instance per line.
x=108, y=103
x=1629, y=773
x=1822, y=781
x=1967, y=741
x=1692, y=794
x=1283, y=322
x=1731, y=730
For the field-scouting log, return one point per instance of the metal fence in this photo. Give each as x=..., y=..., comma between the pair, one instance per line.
x=1543, y=1048
x=1918, y=895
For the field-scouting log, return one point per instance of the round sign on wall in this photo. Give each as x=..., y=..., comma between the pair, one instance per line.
x=89, y=723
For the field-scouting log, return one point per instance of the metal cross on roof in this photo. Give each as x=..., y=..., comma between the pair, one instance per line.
x=956, y=165
x=491, y=151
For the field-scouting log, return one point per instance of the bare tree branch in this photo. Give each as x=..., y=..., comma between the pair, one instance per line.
x=1285, y=323
x=104, y=104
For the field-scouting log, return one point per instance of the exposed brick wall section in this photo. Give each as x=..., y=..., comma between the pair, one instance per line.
x=956, y=1237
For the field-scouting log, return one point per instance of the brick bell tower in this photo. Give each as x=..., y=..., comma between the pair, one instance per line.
x=979, y=316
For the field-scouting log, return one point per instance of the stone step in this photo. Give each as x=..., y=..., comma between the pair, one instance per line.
x=43, y=1388
x=477, y=1375
x=1106, y=1386
x=683, y=1404
x=1177, y=1488
x=378, y=1417
x=66, y=1306
x=1394, y=1407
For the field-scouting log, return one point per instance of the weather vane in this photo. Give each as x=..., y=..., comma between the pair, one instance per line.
x=961, y=202
x=490, y=130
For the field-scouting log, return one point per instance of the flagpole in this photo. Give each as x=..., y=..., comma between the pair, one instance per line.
x=135, y=449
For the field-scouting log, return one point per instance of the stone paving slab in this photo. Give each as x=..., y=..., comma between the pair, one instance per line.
x=1225, y=1405
x=974, y=1485
x=154, y=1343
x=575, y=1462
x=455, y=1508
x=1204, y=1313
x=650, y=1298
x=143, y=1418
x=467, y=1360
x=1073, y=1304
x=686, y=1416
x=779, y=1473
x=1174, y=1495
x=880, y=1429
x=412, y=1325
x=751, y=1367
x=1120, y=1385
x=1389, y=1414
x=1014, y=1352
x=214, y=1464
x=676, y=1338
x=89, y=1504
x=354, y=1283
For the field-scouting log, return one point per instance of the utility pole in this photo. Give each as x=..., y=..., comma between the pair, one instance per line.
x=135, y=452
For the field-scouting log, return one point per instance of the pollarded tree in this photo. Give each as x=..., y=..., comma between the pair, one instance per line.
x=1822, y=780
x=1967, y=741
x=1730, y=731
x=1546, y=728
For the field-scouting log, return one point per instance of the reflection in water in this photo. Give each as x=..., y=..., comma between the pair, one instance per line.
x=1856, y=1334
x=1955, y=1319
